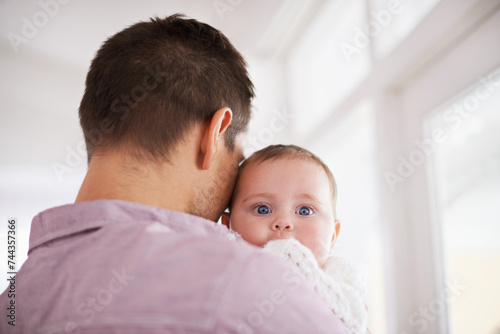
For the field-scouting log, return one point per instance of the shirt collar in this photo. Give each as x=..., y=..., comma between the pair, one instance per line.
x=74, y=218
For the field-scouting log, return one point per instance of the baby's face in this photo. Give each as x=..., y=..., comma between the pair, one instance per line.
x=285, y=198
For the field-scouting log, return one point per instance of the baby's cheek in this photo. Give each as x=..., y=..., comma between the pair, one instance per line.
x=316, y=241
x=252, y=234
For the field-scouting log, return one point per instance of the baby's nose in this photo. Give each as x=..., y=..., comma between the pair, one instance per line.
x=282, y=225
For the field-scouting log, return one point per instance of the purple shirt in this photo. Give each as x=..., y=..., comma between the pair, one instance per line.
x=111, y=266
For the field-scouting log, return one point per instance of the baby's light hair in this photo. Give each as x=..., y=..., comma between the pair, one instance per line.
x=275, y=152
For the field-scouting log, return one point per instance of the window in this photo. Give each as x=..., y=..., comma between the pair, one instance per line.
x=320, y=74
x=366, y=120
x=393, y=20
x=467, y=167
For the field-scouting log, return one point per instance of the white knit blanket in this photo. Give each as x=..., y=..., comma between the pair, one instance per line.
x=340, y=282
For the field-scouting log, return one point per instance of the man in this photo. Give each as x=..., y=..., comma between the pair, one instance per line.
x=164, y=110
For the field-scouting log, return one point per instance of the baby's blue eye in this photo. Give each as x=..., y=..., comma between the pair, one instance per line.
x=263, y=210
x=304, y=211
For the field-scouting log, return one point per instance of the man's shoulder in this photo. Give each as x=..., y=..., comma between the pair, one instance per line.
x=267, y=294
x=205, y=263
x=213, y=256
x=211, y=253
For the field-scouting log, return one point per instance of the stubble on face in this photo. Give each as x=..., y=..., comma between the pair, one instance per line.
x=211, y=200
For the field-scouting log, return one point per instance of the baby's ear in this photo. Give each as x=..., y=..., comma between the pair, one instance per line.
x=336, y=235
x=225, y=219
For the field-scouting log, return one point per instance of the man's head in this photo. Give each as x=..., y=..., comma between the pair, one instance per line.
x=165, y=107
x=285, y=192
x=151, y=82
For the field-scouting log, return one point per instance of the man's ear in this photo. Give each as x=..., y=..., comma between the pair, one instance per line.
x=336, y=235
x=214, y=130
x=225, y=219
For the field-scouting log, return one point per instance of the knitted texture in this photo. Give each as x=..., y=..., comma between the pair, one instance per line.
x=340, y=282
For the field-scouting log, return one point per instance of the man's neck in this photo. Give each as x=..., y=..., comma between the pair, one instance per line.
x=114, y=176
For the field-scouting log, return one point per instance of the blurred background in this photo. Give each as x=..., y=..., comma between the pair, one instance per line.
x=400, y=98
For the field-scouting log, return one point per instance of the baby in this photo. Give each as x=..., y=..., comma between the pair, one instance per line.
x=284, y=200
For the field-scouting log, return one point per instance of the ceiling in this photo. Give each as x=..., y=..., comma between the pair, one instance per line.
x=74, y=31
x=42, y=75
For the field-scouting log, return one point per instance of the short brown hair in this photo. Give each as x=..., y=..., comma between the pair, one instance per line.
x=154, y=80
x=291, y=152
